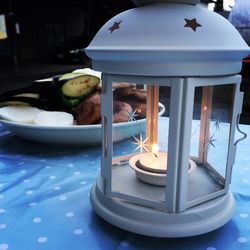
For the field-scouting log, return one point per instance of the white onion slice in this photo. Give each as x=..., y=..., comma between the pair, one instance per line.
x=23, y=114
x=54, y=118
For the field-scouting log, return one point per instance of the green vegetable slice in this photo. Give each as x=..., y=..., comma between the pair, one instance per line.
x=71, y=102
x=80, y=85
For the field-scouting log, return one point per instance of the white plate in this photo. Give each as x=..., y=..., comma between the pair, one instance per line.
x=76, y=135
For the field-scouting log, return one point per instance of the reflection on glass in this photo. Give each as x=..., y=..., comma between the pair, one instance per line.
x=3, y=31
x=210, y=137
x=142, y=163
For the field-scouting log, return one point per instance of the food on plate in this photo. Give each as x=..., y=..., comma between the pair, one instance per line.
x=54, y=118
x=66, y=76
x=88, y=71
x=21, y=114
x=130, y=93
x=38, y=94
x=75, y=89
x=117, y=85
x=77, y=95
x=89, y=110
x=136, y=98
x=121, y=111
x=139, y=108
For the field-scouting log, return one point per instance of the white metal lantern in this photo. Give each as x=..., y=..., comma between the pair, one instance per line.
x=176, y=183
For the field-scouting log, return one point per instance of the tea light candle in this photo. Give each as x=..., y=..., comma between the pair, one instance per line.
x=155, y=162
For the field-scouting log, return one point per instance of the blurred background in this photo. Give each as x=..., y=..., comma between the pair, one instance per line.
x=39, y=39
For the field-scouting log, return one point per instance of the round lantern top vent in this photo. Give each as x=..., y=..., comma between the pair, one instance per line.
x=168, y=39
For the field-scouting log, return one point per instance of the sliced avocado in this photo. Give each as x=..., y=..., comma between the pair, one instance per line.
x=80, y=85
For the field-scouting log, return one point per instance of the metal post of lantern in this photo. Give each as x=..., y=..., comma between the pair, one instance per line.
x=181, y=110
x=107, y=145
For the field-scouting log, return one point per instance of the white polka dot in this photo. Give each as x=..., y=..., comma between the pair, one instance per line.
x=29, y=192
x=83, y=182
x=71, y=165
x=62, y=198
x=78, y=231
x=42, y=239
x=1, y=196
x=211, y=248
x=124, y=243
x=245, y=180
x=26, y=180
x=32, y=204
x=77, y=173
x=57, y=188
x=1, y=185
x=52, y=177
x=48, y=167
x=69, y=214
x=243, y=215
x=23, y=171
x=3, y=226
x=4, y=246
x=2, y=210
x=37, y=220
x=242, y=240
x=92, y=162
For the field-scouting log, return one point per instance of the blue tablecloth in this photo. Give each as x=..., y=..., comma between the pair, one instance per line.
x=44, y=202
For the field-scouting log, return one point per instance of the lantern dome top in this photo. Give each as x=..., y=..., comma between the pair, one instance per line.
x=168, y=39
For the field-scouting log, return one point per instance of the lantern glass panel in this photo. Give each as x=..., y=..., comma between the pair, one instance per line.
x=213, y=107
x=140, y=161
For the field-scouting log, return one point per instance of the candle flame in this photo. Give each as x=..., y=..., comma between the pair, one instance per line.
x=155, y=149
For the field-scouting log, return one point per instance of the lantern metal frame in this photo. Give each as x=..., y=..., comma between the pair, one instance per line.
x=175, y=216
x=174, y=50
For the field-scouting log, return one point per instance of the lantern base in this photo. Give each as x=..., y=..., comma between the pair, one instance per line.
x=138, y=219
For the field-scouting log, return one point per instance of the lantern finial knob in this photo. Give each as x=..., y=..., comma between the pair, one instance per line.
x=144, y=2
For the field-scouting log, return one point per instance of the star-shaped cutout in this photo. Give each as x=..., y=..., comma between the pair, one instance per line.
x=209, y=142
x=132, y=115
x=115, y=26
x=217, y=124
x=141, y=144
x=192, y=23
